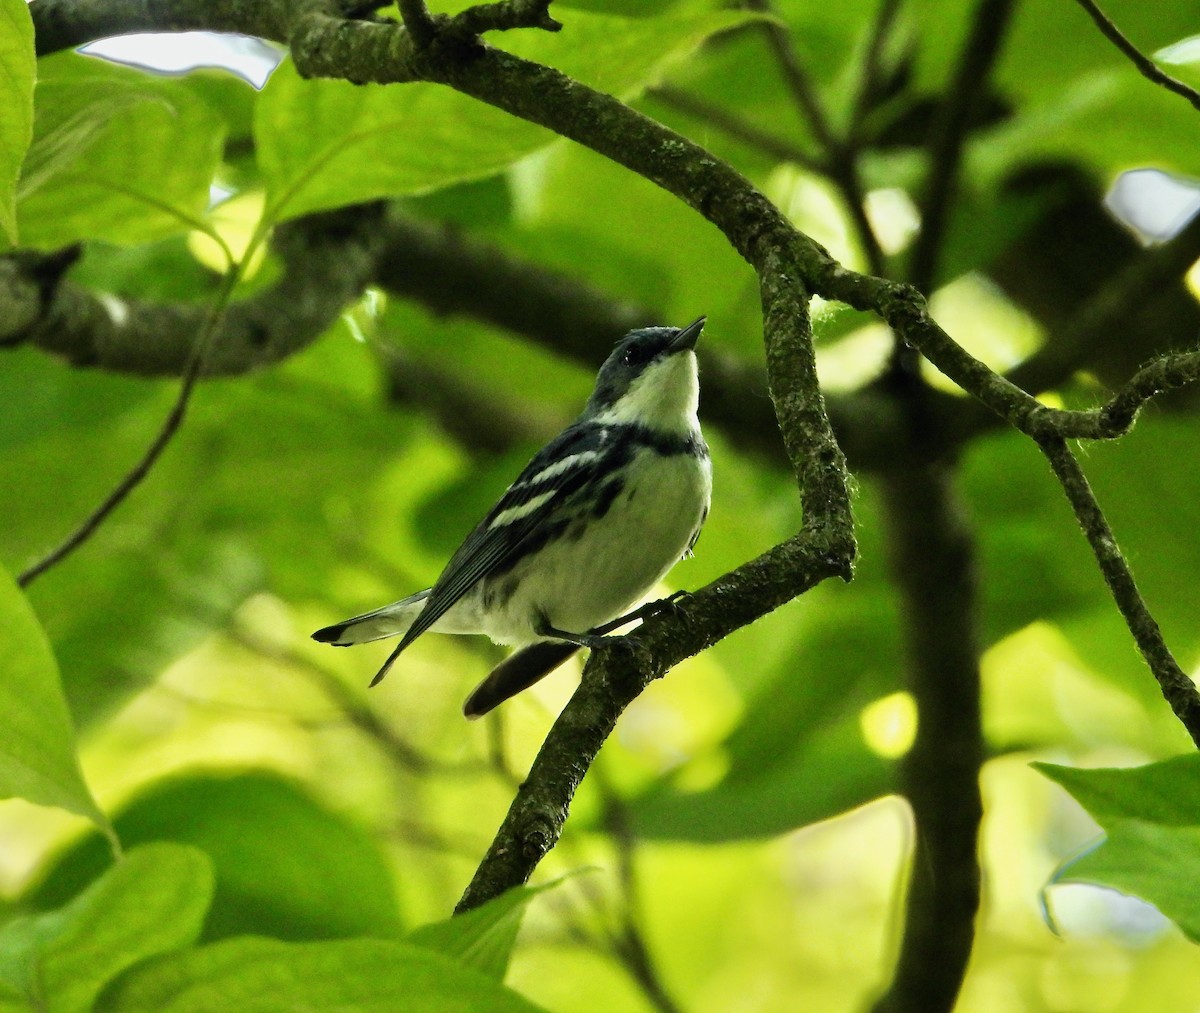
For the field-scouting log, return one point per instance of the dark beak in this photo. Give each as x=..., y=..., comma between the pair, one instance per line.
x=688, y=337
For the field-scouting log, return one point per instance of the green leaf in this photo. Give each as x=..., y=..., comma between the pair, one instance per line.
x=347, y=976
x=1157, y=863
x=1167, y=792
x=38, y=760
x=1182, y=60
x=1151, y=817
x=117, y=154
x=270, y=845
x=326, y=143
x=150, y=902
x=484, y=937
x=18, y=70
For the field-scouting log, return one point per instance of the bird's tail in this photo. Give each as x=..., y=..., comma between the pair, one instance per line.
x=389, y=621
x=517, y=672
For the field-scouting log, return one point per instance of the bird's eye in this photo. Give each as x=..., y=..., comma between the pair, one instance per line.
x=634, y=355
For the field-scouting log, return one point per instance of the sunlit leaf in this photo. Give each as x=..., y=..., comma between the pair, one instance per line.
x=117, y=154
x=325, y=143
x=151, y=901
x=38, y=761
x=482, y=938
x=1182, y=59
x=1167, y=792
x=270, y=845
x=18, y=68
x=1151, y=817
x=349, y=976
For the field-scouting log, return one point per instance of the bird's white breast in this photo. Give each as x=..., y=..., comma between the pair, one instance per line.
x=599, y=570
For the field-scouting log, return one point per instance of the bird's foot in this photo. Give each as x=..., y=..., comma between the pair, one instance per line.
x=598, y=637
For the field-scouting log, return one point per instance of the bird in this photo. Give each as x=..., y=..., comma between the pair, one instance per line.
x=593, y=522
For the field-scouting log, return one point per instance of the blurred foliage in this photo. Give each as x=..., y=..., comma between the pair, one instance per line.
x=741, y=819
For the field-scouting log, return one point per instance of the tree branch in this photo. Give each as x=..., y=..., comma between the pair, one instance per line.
x=503, y=17
x=932, y=550
x=327, y=261
x=1116, y=417
x=613, y=678
x=1144, y=64
x=790, y=267
x=782, y=257
x=1177, y=688
x=65, y=24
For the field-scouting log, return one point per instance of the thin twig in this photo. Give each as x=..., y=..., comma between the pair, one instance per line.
x=350, y=706
x=869, y=81
x=417, y=19
x=1144, y=64
x=949, y=136
x=737, y=127
x=1177, y=688
x=840, y=164
x=613, y=678
x=629, y=941
x=790, y=267
x=794, y=75
x=1116, y=417
x=134, y=477
x=503, y=16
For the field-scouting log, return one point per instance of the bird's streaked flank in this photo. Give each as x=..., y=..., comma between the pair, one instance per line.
x=595, y=520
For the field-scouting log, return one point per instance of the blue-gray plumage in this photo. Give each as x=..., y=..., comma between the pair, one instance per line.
x=591, y=524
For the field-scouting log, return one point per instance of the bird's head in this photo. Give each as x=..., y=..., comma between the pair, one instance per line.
x=650, y=379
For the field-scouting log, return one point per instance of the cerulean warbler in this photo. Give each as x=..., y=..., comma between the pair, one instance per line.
x=594, y=521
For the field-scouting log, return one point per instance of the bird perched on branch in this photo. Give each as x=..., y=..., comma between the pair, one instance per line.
x=594, y=521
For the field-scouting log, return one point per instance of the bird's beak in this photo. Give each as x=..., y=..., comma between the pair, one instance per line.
x=688, y=337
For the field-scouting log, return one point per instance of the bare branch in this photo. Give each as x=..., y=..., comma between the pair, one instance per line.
x=419, y=22
x=124, y=487
x=1116, y=417
x=1144, y=64
x=504, y=16
x=65, y=24
x=790, y=267
x=1177, y=688
x=327, y=261
x=615, y=677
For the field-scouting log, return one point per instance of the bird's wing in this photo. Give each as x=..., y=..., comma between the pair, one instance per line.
x=557, y=474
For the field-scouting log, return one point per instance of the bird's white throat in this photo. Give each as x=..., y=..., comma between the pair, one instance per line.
x=664, y=398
